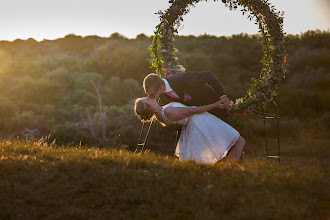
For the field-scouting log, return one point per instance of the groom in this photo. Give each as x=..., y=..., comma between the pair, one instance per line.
x=189, y=88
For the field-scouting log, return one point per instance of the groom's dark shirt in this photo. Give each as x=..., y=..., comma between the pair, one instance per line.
x=196, y=89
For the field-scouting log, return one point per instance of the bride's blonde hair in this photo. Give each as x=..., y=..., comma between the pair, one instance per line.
x=143, y=110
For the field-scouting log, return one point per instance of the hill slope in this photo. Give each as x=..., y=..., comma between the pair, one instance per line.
x=38, y=181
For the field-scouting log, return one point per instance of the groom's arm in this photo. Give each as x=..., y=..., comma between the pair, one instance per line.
x=196, y=79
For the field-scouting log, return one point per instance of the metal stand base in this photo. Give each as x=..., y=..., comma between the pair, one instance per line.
x=266, y=117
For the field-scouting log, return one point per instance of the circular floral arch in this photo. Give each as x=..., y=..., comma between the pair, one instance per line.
x=270, y=22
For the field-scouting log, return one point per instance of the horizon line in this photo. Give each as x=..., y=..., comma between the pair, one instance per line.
x=150, y=36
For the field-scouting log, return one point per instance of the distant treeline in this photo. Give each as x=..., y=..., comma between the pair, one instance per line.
x=52, y=86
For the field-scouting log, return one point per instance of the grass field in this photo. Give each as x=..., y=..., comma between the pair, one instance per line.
x=38, y=181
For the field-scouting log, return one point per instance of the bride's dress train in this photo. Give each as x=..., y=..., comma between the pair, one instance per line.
x=204, y=137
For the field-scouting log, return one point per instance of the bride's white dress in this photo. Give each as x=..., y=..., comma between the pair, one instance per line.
x=204, y=137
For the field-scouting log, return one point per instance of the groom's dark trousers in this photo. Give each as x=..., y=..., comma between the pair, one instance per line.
x=196, y=89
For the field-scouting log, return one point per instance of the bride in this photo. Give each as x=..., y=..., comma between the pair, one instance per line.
x=204, y=137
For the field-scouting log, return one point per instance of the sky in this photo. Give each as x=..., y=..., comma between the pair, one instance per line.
x=49, y=19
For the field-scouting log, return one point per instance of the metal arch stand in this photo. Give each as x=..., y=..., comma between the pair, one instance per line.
x=143, y=144
x=266, y=117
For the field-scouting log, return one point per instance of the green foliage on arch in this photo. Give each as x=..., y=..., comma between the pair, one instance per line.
x=270, y=23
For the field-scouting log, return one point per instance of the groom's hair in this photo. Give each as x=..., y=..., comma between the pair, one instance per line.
x=152, y=81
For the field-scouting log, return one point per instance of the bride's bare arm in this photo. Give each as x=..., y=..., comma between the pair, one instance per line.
x=178, y=113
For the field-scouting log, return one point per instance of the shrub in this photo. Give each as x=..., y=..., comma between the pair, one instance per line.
x=69, y=134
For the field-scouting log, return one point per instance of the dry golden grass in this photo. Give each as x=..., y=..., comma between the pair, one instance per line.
x=38, y=181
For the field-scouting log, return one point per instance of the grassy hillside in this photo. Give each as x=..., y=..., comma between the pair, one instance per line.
x=38, y=181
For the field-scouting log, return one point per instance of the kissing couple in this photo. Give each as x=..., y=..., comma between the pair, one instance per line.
x=197, y=103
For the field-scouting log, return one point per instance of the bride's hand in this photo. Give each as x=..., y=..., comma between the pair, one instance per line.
x=223, y=103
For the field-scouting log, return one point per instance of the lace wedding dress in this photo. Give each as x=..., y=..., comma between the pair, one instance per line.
x=204, y=137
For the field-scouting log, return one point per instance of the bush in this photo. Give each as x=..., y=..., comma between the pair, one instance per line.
x=69, y=134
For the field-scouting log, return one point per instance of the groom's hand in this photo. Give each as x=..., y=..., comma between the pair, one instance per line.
x=224, y=97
